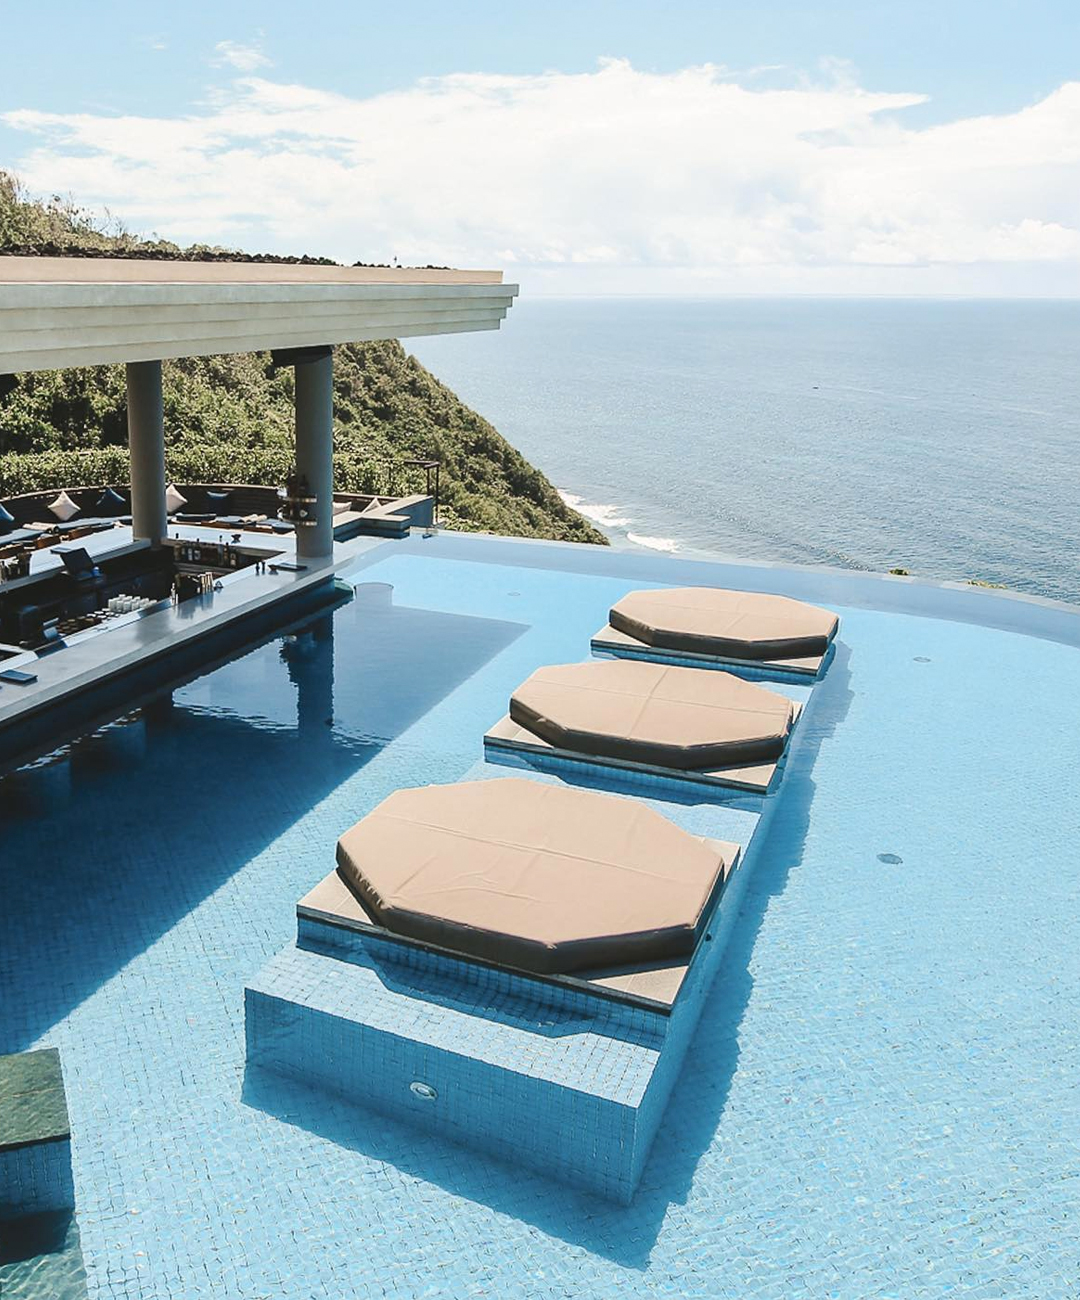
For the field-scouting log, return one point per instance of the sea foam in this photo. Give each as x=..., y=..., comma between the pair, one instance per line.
x=605, y=516
x=667, y=544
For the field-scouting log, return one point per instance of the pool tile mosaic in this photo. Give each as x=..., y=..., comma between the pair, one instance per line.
x=879, y=1099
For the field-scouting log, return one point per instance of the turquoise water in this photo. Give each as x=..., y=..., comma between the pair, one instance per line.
x=880, y=1099
x=938, y=437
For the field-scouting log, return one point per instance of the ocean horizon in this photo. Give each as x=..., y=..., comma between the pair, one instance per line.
x=939, y=436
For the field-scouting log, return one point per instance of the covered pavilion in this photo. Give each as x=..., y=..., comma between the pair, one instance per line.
x=61, y=312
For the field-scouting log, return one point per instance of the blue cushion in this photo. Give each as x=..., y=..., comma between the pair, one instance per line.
x=19, y=535
x=110, y=504
x=218, y=500
x=7, y=520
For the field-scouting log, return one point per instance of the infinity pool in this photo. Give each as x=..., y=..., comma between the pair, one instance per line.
x=881, y=1098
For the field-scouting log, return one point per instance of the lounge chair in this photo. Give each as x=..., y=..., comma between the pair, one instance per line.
x=713, y=627
x=707, y=727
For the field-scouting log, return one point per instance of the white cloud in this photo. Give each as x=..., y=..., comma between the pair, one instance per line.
x=615, y=179
x=244, y=58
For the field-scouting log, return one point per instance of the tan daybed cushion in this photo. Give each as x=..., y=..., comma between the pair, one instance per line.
x=545, y=878
x=649, y=713
x=735, y=624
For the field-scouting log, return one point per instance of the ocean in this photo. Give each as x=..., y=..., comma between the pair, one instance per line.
x=940, y=437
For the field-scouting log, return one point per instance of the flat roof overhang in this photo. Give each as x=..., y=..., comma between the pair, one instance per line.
x=57, y=312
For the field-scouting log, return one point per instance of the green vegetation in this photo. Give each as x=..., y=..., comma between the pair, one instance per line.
x=229, y=418
x=60, y=228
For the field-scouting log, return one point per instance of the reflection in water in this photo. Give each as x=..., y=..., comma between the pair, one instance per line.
x=109, y=841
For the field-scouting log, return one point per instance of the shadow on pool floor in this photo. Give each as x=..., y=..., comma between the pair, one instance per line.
x=41, y=1258
x=114, y=838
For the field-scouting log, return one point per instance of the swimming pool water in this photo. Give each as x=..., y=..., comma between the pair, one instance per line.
x=880, y=1099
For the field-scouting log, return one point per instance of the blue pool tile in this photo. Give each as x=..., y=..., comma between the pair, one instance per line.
x=879, y=1099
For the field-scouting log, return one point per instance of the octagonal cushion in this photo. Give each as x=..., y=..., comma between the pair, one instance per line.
x=541, y=877
x=649, y=713
x=738, y=624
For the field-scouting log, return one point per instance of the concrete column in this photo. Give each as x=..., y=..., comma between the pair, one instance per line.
x=315, y=448
x=146, y=440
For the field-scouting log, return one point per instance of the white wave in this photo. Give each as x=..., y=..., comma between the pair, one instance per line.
x=666, y=544
x=605, y=516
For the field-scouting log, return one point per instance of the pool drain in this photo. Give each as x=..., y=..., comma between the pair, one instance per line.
x=890, y=859
x=423, y=1090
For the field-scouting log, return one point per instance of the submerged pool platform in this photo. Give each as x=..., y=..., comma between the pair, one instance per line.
x=610, y=641
x=35, y=1139
x=755, y=635
x=40, y=1254
x=565, y=1074
x=515, y=746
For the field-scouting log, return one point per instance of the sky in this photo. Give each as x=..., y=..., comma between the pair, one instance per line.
x=602, y=146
